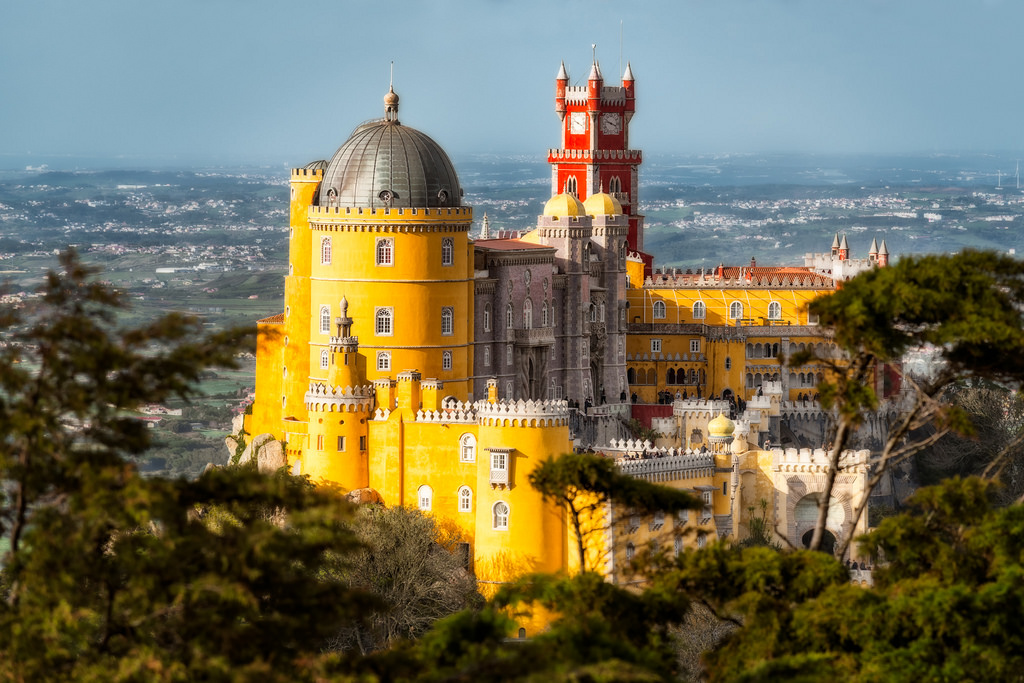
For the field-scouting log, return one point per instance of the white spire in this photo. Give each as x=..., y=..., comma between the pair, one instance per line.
x=562, y=75
x=628, y=75
x=485, y=229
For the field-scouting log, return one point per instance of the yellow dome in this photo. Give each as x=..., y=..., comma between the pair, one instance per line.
x=721, y=426
x=602, y=204
x=564, y=205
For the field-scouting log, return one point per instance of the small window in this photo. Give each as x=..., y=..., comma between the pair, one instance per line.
x=362, y=443
x=341, y=443
x=325, y=359
x=655, y=346
x=446, y=360
x=510, y=317
x=325, y=251
x=325, y=320
x=615, y=185
x=425, y=496
x=499, y=461
x=702, y=540
x=630, y=552
x=384, y=326
x=508, y=355
x=724, y=489
x=812, y=318
x=467, y=448
x=527, y=314
x=775, y=311
x=447, y=251
x=700, y=311
x=487, y=317
x=465, y=499
x=500, y=515
x=487, y=356
x=385, y=251
x=659, y=310
x=570, y=184
x=319, y=442
x=544, y=314
x=707, y=497
x=677, y=545
x=695, y=346
x=447, y=321
x=383, y=360
x=728, y=363
x=735, y=310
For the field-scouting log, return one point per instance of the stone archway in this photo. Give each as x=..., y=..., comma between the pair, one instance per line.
x=828, y=542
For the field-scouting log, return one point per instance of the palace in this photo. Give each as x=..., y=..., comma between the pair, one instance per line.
x=416, y=366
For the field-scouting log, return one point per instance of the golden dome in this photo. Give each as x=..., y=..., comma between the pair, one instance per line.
x=721, y=426
x=602, y=204
x=564, y=205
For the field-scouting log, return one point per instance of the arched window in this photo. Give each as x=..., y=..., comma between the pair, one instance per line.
x=670, y=376
x=615, y=185
x=630, y=551
x=593, y=313
x=447, y=251
x=446, y=360
x=447, y=321
x=325, y=359
x=500, y=515
x=631, y=376
x=487, y=356
x=570, y=185
x=775, y=311
x=383, y=360
x=659, y=310
x=465, y=499
x=700, y=311
x=425, y=497
x=544, y=313
x=651, y=377
x=385, y=251
x=325, y=250
x=467, y=448
x=527, y=314
x=487, y=317
x=735, y=310
x=508, y=355
x=510, y=317
x=383, y=317
x=325, y=320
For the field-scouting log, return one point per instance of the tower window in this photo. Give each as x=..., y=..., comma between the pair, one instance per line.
x=615, y=185
x=570, y=185
x=527, y=314
x=341, y=443
x=383, y=360
x=465, y=499
x=500, y=515
x=728, y=363
x=700, y=311
x=325, y=251
x=659, y=310
x=385, y=251
x=325, y=320
x=447, y=321
x=447, y=251
x=383, y=317
x=544, y=313
x=325, y=359
x=487, y=356
x=446, y=360
x=508, y=355
x=487, y=317
x=510, y=317
x=425, y=497
x=467, y=448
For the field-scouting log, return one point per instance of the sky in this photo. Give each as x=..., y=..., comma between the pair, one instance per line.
x=181, y=82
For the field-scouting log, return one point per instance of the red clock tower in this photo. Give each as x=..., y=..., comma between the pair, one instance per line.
x=595, y=154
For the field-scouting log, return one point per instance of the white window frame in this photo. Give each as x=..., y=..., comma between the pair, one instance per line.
x=655, y=346
x=499, y=516
x=384, y=251
x=695, y=346
x=425, y=498
x=735, y=310
x=527, y=314
x=447, y=321
x=447, y=251
x=487, y=317
x=325, y=319
x=383, y=360
x=446, y=360
x=775, y=311
x=325, y=359
x=325, y=250
x=510, y=317
x=487, y=356
x=384, y=321
x=700, y=310
x=660, y=310
x=465, y=499
x=467, y=448
x=508, y=355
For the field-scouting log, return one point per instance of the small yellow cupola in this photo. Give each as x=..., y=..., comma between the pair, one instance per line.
x=564, y=205
x=721, y=427
x=602, y=204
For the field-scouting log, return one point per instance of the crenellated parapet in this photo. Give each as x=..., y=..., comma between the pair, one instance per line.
x=326, y=399
x=307, y=175
x=696, y=407
x=678, y=357
x=453, y=412
x=816, y=460
x=523, y=413
x=632, y=156
x=709, y=279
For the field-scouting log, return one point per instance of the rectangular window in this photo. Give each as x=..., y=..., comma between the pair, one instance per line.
x=707, y=497
x=341, y=443
x=385, y=251
x=695, y=346
x=319, y=442
x=655, y=346
x=362, y=443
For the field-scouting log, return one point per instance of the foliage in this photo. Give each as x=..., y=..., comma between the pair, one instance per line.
x=584, y=483
x=967, y=306
x=415, y=567
x=759, y=528
x=112, y=576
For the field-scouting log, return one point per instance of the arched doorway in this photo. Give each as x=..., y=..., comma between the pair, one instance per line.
x=828, y=541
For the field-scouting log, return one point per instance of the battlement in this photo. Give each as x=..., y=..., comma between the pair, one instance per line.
x=664, y=465
x=322, y=398
x=679, y=357
x=709, y=279
x=693, y=407
x=610, y=94
x=307, y=174
x=631, y=156
x=816, y=461
x=426, y=215
x=453, y=412
x=523, y=413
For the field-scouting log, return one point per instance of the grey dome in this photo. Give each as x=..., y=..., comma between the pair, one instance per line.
x=385, y=164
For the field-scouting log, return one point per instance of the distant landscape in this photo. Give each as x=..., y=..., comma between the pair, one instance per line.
x=213, y=242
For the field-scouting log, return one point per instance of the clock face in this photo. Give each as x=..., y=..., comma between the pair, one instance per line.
x=611, y=124
x=578, y=122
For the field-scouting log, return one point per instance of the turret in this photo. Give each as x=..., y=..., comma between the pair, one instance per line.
x=594, y=83
x=883, y=255
x=844, y=249
x=561, y=81
x=835, y=245
x=873, y=251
